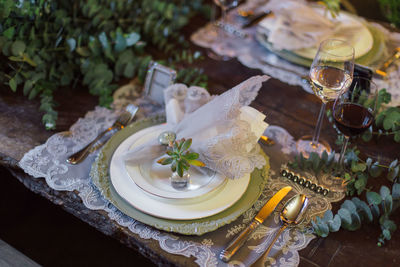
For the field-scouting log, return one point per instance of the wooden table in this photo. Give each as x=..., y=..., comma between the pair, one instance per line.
x=286, y=106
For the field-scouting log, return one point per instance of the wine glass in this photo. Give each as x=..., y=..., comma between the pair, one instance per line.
x=223, y=53
x=354, y=110
x=331, y=71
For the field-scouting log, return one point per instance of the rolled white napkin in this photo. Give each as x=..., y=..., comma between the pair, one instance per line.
x=224, y=129
x=295, y=25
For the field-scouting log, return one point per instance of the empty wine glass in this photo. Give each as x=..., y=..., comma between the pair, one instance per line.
x=223, y=53
x=331, y=71
x=354, y=110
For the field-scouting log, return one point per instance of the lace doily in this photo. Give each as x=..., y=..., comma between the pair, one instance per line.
x=252, y=54
x=48, y=161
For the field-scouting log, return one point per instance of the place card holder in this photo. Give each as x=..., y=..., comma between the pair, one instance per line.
x=158, y=78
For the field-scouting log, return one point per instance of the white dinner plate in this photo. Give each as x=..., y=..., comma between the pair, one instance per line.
x=359, y=37
x=176, y=209
x=153, y=177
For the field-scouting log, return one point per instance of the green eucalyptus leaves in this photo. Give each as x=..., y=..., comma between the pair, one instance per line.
x=49, y=44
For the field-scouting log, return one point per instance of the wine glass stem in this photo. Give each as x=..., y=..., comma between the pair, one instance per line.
x=319, y=124
x=344, y=147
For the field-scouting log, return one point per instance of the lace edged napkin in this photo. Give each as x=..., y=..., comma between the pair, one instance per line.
x=224, y=129
x=295, y=25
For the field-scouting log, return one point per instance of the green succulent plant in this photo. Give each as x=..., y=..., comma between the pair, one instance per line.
x=180, y=157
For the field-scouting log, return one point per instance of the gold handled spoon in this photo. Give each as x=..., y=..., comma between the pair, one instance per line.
x=291, y=214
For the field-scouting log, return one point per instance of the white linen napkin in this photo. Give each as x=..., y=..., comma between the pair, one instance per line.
x=224, y=129
x=295, y=25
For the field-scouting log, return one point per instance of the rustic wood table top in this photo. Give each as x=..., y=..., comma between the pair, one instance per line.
x=287, y=106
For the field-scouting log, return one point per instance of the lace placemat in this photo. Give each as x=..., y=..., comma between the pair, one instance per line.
x=242, y=44
x=48, y=161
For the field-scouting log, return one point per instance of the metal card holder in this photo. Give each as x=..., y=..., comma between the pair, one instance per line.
x=158, y=78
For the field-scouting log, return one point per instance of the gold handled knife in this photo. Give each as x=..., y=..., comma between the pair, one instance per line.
x=382, y=71
x=265, y=211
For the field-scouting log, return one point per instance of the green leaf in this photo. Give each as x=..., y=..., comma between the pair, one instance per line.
x=9, y=33
x=393, y=173
x=324, y=157
x=71, y=43
x=83, y=51
x=345, y=216
x=179, y=168
x=320, y=228
x=388, y=204
x=335, y=224
x=17, y=48
x=129, y=70
x=397, y=136
x=13, y=84
x=186, y=145
x=390, y=225
x=367, y=135
x=120, y=42
x=361, y=182
x=363, y=209
x=191, y=156
x=375, y=211
x=104, y=41
x=358, y=167
x=173, y=166
x=384, y=191
x=396, y=191
x=327, y=216
x=355, y=222
x=393, y=163
x=27, y=87
x=390, y=119
x=386, y=234
x=196, y=162
x=375, y=170
x=165, y=161
x=373, y=198
x=349, y=205
x=132, y=38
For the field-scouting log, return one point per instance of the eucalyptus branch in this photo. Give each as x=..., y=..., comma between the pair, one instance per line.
x=60, y=43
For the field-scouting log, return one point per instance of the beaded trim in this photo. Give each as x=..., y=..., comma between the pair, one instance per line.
x=296, y=178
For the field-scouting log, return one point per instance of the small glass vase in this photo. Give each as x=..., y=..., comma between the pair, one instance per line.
x=178, y=182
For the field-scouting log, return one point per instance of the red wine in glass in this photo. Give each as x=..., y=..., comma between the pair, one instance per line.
x=352, y=119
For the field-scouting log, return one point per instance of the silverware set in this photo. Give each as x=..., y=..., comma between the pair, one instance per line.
x=290, y=215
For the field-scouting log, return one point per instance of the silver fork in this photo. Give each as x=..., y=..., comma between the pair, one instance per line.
x=123, y=120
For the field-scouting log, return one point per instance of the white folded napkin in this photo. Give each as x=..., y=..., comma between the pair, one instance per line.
x=224, y=129
x=295, y=25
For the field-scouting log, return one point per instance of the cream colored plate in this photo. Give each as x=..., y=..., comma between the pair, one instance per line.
x=361, y=38
x=153, y=177
x=183, y=209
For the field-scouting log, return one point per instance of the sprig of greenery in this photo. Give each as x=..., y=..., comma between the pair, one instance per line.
x=354, y=212
x=391, y=9
x=357, y=172
x=51, y=44
x=180, y=158
x=333, y=6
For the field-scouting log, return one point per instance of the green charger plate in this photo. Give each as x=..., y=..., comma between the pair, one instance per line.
x=100, y=177
x=371, y=59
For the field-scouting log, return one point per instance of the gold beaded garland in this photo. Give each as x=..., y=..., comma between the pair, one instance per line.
x=304, y=182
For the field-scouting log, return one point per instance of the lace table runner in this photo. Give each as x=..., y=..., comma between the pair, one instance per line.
x=242, y=44
x=48, y=161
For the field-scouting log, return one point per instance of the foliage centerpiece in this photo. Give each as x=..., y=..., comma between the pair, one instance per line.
x=180, y=158
x=48, y=44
